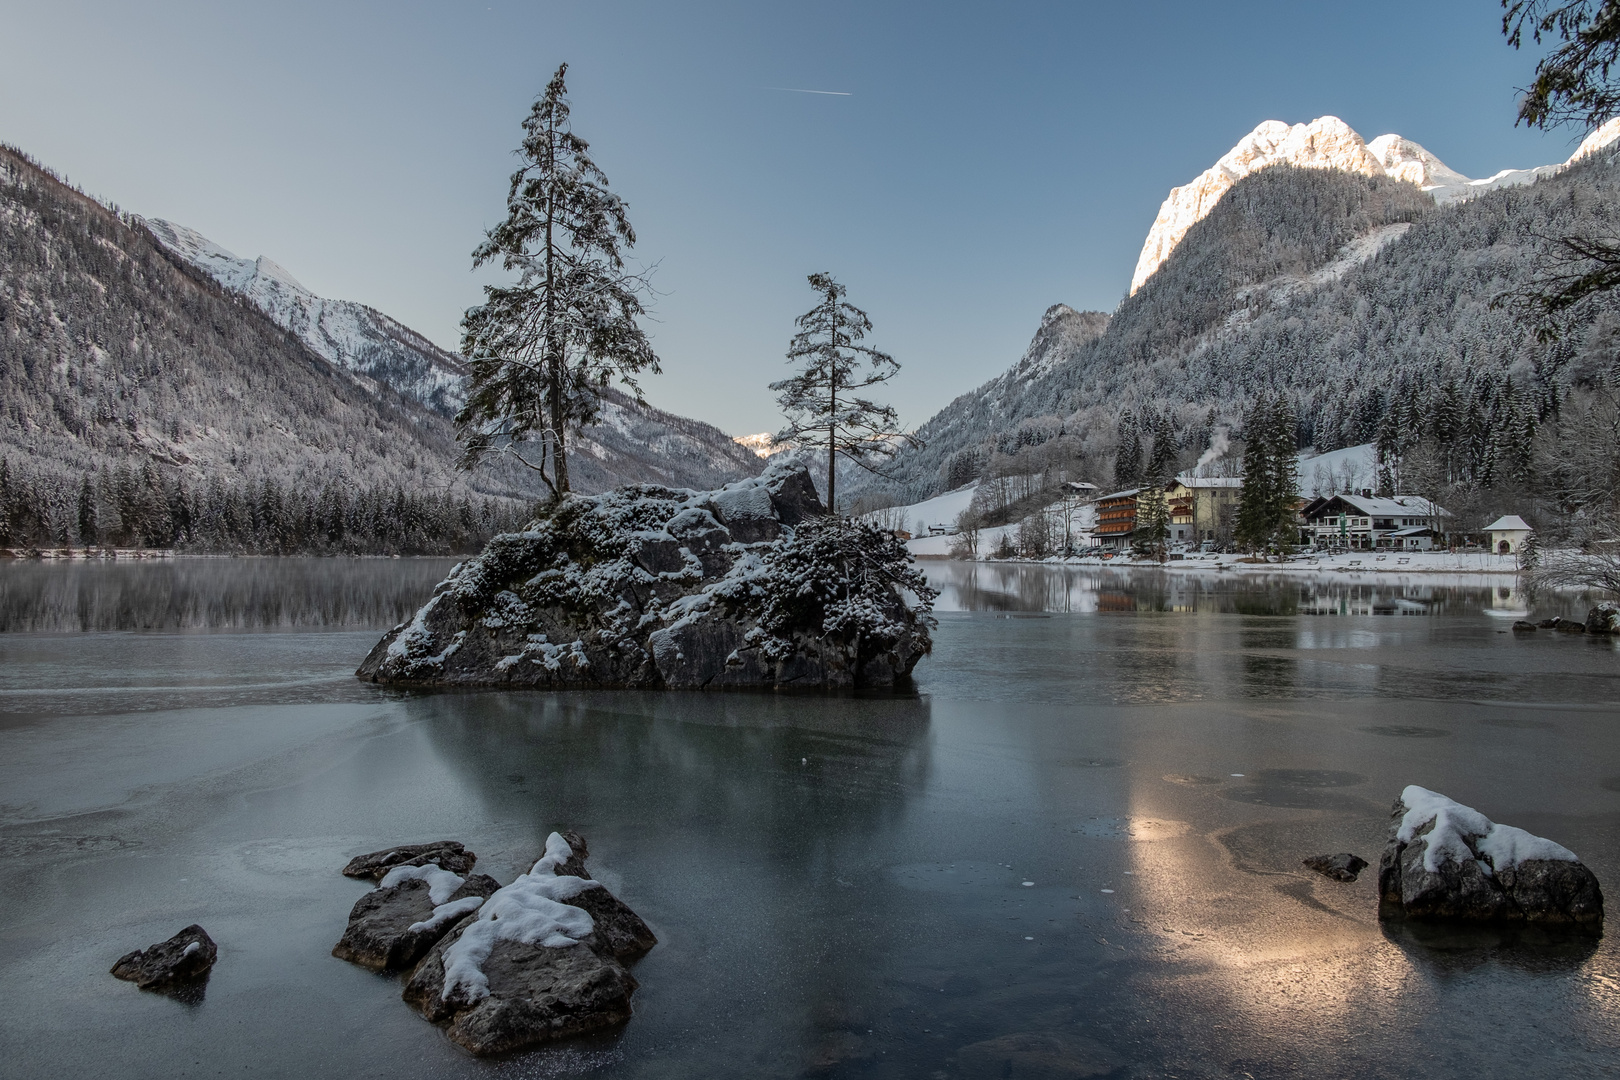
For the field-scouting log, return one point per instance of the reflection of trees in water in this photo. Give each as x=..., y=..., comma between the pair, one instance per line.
x=757, y=821
x=791, y=778
x=191, y=594
x=1035, y=587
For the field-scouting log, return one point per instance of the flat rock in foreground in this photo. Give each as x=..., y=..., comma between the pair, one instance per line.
x=540, y=960
x=752, y=585
x=445, y=854
x=394, y=925
x=1446, y=861
x=186, y=956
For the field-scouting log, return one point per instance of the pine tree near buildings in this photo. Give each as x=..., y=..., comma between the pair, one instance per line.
x=823, y=402
x=1282, y=472
x=1270, y=481
x=541, y=351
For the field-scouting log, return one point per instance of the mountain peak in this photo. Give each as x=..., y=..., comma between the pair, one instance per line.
x=1327, y=143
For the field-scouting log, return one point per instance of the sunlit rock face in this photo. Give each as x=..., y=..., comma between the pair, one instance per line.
x=1324, y=143
x=1328, y=143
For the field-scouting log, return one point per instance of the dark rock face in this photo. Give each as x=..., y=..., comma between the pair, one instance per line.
x=1570, y=626
x=1342, y=867
x=536, y=994
x=1446, y=861
x=445, y=854
x=648, y=587
x=186, y=956
x=1604, y=618
x=392, y=927
x=556, y=974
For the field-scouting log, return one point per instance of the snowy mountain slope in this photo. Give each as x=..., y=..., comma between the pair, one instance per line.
x=1328, y=143
x=630, y=444
x=353, y=337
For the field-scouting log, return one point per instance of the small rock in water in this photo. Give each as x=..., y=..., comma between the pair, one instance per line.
x=186, y=956
x=1524, y=626
x=1448, y=861
x=540, y=960
x=1549, y=624
x=445, y=854
x=1341, y=867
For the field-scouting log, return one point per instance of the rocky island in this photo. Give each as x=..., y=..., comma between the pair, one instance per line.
x=752, y=585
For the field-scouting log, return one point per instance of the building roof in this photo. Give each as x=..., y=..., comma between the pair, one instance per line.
x=1509, y=523
x=1400, y=505
x=1414, y=530
x=1118, y=494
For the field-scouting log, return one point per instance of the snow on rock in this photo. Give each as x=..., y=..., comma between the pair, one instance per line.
x=1328, y=143
x=541, y=959
x=1449, y=861
x=650, y=587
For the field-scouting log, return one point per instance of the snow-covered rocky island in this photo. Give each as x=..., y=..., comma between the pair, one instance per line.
x=752, y=585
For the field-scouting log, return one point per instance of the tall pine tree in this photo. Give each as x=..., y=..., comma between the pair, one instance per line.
x=823, y=401
x=542, y=350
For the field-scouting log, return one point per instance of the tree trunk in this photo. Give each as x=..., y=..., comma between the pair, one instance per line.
x=554, y=357
x=832, y=411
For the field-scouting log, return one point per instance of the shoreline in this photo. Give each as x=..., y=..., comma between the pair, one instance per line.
x=1416, y=563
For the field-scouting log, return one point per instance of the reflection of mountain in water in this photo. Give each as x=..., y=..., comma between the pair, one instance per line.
x=214, y=594
x=1013, y=587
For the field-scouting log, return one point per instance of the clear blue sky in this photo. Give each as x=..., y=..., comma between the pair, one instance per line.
x=990, y=160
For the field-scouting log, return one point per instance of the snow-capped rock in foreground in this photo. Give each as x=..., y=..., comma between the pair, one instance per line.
x=1327, y=143
x=542, y=959
x=352, y=337
x=648, y=587
x=1449, y=861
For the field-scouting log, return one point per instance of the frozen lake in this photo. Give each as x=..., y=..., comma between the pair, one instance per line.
x=1075, y=849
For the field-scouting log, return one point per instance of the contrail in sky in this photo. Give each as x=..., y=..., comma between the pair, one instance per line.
x=796, y=90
